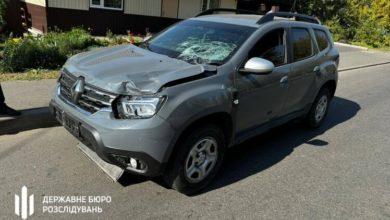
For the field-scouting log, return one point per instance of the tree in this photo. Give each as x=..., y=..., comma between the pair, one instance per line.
x=323, y=9
x=364, y=22
x=372, y=22
x=3, y=5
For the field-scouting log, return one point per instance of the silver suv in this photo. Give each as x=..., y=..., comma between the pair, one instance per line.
x=176, y=103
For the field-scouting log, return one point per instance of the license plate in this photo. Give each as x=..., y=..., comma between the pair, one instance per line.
x=71, y=125
x=58, y=115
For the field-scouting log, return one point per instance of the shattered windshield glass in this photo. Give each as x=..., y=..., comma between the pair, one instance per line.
x=200, y=42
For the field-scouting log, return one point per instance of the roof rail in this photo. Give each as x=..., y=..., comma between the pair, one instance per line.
x=236, y=11
x=298, y=17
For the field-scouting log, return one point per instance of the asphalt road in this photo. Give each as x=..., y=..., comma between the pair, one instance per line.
x=340, y=171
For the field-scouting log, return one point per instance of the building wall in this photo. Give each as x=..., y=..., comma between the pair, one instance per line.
x=169, y=8
x=228, y=4
x=189, y=8
x=136, y=16
x=165, y=8
x=22, y=15
x=12, y=17
x=35, y=2
x=33, y=15
x=99, y=21
x=69, y=4
x=143, y=7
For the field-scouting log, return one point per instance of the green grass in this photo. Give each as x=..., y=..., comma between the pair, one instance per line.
x=29, y=75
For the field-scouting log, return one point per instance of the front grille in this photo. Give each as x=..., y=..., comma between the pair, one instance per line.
x=92, y=99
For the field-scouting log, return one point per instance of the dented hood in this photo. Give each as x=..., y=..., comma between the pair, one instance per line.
x=128, y=69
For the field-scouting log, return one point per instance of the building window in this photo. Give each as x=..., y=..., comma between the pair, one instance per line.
x=107, y=4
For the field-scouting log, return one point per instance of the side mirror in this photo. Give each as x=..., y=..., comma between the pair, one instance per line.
x=258, y=66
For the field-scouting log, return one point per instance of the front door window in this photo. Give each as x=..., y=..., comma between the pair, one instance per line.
x=271, y=47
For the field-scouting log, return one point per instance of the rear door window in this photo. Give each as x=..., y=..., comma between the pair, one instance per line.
x=302, y=44
x=322, y=39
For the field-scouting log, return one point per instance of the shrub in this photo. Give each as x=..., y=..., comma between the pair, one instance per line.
x=31, y=53
x=71, y=42
x=365, y=22
x=370, y=34
x=373, y=26
x=46, y=52
x=112, y=39
x=50, y=51
x=338, y=31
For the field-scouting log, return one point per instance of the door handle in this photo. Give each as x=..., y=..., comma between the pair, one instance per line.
x=317, y=71
x=284, y=80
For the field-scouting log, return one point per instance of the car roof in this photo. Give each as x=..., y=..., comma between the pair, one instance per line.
x=237, y=19
x=250, y=20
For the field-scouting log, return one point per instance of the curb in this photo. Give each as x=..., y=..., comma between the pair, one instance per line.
x=350, y=45
x=361, y=67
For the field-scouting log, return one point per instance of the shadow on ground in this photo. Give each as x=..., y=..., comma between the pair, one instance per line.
x=263, y=151
x=29, y=120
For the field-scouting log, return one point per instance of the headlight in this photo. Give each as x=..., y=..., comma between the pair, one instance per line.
x=138, y=107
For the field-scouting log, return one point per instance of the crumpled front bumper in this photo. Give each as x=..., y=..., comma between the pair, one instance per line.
x=148, y=140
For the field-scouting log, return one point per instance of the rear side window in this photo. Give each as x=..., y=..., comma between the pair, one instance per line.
x=322, y=39
x=302, y=43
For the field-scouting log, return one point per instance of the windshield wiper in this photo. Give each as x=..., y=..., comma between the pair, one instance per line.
x=145, y=45
x=215, y=63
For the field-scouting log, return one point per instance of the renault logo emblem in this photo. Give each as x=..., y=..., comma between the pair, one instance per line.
x=77, y=89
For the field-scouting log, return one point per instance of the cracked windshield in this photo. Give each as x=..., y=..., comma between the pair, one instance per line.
x=199, y=42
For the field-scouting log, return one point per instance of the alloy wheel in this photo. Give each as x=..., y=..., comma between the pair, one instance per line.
x=201, y=160
x=321, y=108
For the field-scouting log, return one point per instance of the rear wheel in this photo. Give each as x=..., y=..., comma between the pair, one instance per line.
x=198, y=159
x=319, y=109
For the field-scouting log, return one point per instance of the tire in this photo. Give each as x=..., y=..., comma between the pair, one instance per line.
x=208, y=139
x=317, y=114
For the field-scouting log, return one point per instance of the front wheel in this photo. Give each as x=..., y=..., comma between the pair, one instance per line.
x=319, y=109
x=198, y=159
